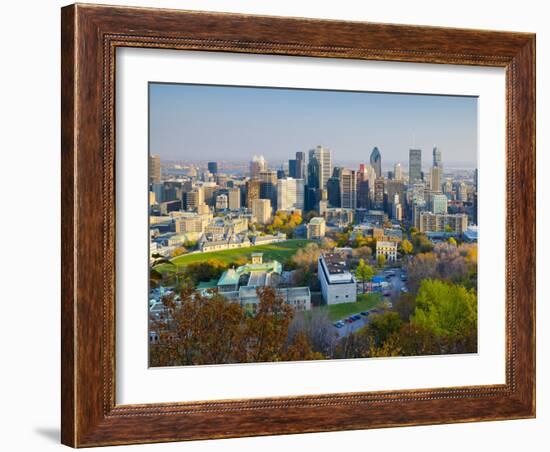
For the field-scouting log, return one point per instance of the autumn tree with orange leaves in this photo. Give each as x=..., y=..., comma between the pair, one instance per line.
x=210, y=329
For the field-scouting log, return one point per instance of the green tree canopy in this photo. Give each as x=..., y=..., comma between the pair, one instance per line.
x=406, y=247
x=446, y=309
x=364, y=272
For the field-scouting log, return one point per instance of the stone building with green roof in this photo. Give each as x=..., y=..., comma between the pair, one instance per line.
x=241, y=284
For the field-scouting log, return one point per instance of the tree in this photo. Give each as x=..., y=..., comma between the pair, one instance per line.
x=364, y=273
x=406, y=247
x=448, y=228
x=306, y=258
x=452, y=241
x=199, y=329
x=363, y=252
x=381, y=260
x=382, y=326
x=447, y=309
x=300, y=349
x=327, y=243
x=179, y=251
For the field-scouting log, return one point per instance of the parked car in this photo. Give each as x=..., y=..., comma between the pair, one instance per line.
x=403, y=277
x=356, y=317
x=365, y=313
x=338, y=324
x=404, y=289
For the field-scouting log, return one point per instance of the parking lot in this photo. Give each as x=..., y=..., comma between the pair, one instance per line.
x=392, y=282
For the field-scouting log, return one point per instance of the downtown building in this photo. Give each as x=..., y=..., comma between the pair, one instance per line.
x=290, y=194
x=415, y=166
x=324, y=159
x=338, y=285
x=433, y=222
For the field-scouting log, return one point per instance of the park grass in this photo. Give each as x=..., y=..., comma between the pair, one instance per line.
x=281, y=252
x=364, y=302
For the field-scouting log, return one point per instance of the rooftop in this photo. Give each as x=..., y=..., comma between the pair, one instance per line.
x=317, y=220
x=335, y=263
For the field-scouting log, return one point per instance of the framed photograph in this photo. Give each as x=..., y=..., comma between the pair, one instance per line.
x=281, y=225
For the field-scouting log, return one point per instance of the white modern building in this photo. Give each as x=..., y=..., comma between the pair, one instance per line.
x=290, y=194
x=338, y=284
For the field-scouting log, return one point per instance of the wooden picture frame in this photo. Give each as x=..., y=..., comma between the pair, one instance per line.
x=90, y=35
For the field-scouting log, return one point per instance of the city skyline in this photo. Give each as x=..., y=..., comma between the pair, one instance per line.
x=220, y=121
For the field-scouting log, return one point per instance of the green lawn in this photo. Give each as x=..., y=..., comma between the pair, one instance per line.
x=364, y=302
x=281, y=251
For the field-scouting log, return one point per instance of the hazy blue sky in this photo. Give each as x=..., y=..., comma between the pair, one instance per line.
x=198, y=122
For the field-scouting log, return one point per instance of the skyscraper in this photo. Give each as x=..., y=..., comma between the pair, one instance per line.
x=348, y=189
x=397, y=172
x=376, y=161
x=437, y=158
x=213, y=167
x=439, y=203
x=314, y=173
x=300, y=165
x=261, y=210
x=397, y=209
x=290, y=194
x=333, y=192
x=324, y=158
x=257, y=164
x=296, y=167
x=154, y=169
x=435, y=178
x=234, y=198
x=252, y=192
x=379, y=188
x=268, y=186
x=415, y=165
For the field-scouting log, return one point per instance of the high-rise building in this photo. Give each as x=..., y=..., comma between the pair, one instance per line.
x=324, y=159
x=234, y=198
x=296, y=167
x=221, y=202
x=392, y=189
x=363, y=194
x=448, y=189
x=312, y=197
x=213, y=167
x=290, y=194
x=154, y=169
x=463, y=192
x=348, y=189
x=415, y=165
x=431, y=222
x=194, y=198
x=437, y=162
x=261, y=210
x=268, y=186
x=436, y=174
x=397, y=172
x=314, y=173
x=439, y=203
x=257, y=164
x=379, y=188
x=376, y=161
x=252, y=192
x=397, y=208
x=333, y=188
x=300, y=165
